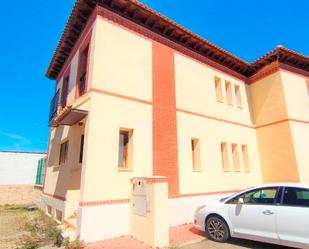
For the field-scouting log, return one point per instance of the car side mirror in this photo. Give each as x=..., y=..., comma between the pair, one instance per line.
x=241, y=201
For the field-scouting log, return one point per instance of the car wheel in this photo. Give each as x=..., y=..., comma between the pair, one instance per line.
x=217, y=229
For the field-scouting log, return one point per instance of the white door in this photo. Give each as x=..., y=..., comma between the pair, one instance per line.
x=253, y=214
x=293, y=217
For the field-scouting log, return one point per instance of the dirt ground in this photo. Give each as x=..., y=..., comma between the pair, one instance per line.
x=18, y=222
x=11, y=225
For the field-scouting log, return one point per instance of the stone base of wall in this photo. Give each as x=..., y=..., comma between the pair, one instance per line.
x=19, y=194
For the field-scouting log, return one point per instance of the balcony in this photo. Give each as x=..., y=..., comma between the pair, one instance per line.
x=64, y=115
x=54, y=106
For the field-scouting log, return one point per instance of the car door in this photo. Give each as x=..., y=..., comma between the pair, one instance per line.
x=293, y=217
x=253, y=214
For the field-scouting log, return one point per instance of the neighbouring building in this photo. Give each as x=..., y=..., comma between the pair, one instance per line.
x=137, y=95
x=18, y=177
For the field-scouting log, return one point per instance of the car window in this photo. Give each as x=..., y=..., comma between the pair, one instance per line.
x=296, y=197
x=264, y=196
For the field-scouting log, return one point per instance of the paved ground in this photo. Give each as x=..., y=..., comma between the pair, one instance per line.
x=233, y=244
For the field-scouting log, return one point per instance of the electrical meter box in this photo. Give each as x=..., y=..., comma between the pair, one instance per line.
x=139, y=196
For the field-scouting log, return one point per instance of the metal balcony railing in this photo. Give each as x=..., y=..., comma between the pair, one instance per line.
x=54, y=106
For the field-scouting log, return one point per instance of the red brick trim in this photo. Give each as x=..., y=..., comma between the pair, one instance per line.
x=58, y=197
x=213, y=118
x=125, y=201
x=206, y=193
x=151, y=180
x=103, y=203
x=144, y=32
x=282, y=121
x=164, y=119
x=120, y=96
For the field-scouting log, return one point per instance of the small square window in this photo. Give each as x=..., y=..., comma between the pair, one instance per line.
x=225, y=157
x=236, y=157
x=218, y=87
x=228, y=89
x=196, y=160
x=49, y=210
x=238, y=96
x=125, y=149
x=245, y=159
x=63, y=157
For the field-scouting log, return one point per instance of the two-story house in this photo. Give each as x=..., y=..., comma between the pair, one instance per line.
x=137, y=95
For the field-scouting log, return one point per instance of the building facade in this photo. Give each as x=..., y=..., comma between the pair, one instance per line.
x=140, y=96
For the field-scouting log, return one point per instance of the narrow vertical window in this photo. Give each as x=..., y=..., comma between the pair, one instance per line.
x=307, y=82
x=125, y=149
x=64, y=92
x=63, y=157
x=236, y=160
x=228, y=89
x=238, y=96
x=245, y=159
x=225, y=157
x=81, y=149
x=82, y=71
x=195, y=149
x=218, y=88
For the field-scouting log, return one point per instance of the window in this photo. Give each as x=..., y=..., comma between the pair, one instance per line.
x=58, y=216
x=49, y=210
x=236, y=157
x=82, y=70
x=264, y=196
x=81, y=149
x=307, y=83
x=195, y=148
x=228, y=89
x=218, y=87
x=237, y=96
x=64, y=92
x=63, y=152
x=125, y=149
x=225, y=157
x=245, y=160
x=296, y=197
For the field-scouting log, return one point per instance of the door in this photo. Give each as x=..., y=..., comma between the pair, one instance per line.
x=253, y=214
x=293, y=217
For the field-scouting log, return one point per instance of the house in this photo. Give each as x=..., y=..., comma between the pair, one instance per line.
x=137, y=95
x=18, y=177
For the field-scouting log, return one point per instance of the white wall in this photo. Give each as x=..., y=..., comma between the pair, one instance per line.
x=18, y=168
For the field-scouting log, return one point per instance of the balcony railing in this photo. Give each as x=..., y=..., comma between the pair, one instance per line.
x=54, y=105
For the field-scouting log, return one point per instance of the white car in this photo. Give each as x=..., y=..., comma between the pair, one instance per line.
x=273, y=213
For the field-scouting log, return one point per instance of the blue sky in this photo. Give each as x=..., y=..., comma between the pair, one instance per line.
x=31, y=30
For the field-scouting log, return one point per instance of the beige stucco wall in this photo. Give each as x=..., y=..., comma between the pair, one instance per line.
x=297, y=102
x=278, y=97
x=122, y=61
x=62, y=179
x=101, y=179
x=195, y=92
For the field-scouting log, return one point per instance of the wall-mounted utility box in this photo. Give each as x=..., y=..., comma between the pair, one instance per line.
x=148, y=210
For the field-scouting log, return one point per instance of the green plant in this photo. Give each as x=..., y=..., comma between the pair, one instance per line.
x=76, y=244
